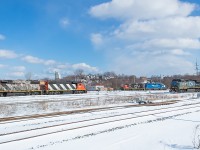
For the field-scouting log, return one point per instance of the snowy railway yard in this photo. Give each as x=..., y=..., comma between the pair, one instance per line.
x=100, y=120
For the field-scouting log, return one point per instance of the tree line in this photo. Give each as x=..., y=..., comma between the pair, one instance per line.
x=115, y=81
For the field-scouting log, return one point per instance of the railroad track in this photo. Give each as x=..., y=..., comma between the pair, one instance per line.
x=87, y=123
x=58, y=114
x=88, y=119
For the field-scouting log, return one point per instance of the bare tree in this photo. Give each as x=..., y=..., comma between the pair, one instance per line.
x=110, y=74
x=79, y=74
x=28, y=76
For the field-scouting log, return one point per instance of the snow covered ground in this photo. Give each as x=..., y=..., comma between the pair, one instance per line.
x=29, y=105
x=172, y=130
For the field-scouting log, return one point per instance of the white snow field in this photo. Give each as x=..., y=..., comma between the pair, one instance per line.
x=163, y=127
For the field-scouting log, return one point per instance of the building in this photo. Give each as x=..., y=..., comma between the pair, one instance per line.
x=57, y=75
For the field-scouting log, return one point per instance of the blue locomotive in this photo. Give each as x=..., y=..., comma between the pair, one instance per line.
x=182, y=85
x=144, y=86
x=155, y=86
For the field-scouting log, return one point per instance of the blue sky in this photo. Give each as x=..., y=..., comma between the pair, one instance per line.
x=131, y=36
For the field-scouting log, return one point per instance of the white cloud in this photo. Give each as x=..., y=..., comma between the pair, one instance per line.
x=179, y=52
x=97, y=39
x=33, y=60
x=63, y=66
x=141, y=9
x=17, y=74
x=52, y=70
x=19, y=68
x=7, y=54
x=36, y=60
x=49, y=62
x=158, y=44
x=64, y=22
x=47, y=67
x=65, y=69
x=2, y=66
x=147, y=63
x=2, y=37
x=153, y=36
x=85, y=67
x=173, y=27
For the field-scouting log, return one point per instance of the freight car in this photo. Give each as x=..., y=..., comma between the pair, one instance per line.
x=144, y=86
x=16, y=87
x=181, y=85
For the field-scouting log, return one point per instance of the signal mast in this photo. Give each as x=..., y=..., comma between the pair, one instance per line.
x=197, y=68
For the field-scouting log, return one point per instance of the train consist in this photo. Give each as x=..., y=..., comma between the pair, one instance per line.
x=19, y=87
x=144, y=86
x=181, y=85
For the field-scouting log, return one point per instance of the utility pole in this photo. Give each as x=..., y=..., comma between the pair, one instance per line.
x=197, y=68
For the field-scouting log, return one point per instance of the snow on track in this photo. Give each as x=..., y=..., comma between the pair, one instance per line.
x=29, y=105
x=28, y=134
x=128, y=131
